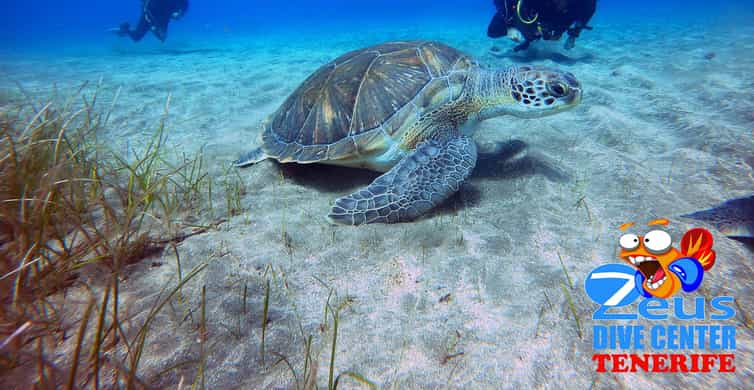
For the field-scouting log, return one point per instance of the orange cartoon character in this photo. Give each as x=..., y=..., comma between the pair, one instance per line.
x=662, y=270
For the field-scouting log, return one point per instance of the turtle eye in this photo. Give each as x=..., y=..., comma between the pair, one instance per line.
x=629, y=241
x=557, y=89
x=657, y=242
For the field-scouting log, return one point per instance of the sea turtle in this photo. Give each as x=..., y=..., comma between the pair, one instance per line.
x=406, y=109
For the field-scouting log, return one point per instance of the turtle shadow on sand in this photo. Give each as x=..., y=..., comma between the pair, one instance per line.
x=328, y=178
x=510, y=160
x=533, y=55
x=507, y=160
x=331, y=179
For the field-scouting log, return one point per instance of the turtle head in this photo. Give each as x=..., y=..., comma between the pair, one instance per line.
x=528, y=92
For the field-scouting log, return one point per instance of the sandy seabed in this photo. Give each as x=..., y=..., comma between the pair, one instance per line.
x=469, y=296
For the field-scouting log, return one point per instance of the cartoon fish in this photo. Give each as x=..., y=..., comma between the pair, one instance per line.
x=661, y=269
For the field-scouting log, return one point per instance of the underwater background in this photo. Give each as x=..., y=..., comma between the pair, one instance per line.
x=65, y=24
x=486, y=290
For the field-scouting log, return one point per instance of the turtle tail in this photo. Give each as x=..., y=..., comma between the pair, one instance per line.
x=250, y=158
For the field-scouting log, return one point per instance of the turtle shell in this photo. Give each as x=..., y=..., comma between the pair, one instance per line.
x=346, y=107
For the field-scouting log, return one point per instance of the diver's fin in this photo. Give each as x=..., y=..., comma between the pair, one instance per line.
x=734, y=218
x=121, y=30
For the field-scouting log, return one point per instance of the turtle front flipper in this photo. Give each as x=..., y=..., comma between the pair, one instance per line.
x=250, y=158
x=419, y=182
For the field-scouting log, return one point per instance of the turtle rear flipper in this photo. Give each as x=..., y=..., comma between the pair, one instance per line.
x=421, y=181
x=250, y=158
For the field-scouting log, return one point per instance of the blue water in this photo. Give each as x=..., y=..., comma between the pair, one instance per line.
x=664, y=129
x=57, y=24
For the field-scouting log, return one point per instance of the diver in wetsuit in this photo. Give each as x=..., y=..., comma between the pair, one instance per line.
x=528, y=20
x=155, y=16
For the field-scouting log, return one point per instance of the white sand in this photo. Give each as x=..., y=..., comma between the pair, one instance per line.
x=662, y=131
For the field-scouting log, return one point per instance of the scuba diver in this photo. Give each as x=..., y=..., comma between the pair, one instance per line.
x=525, y=21
x=155, y=16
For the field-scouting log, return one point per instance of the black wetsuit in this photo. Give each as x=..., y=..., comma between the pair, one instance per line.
x=155, y=17
x=546, y=19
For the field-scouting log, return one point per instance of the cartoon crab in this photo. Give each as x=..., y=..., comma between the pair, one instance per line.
x=662, y=270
